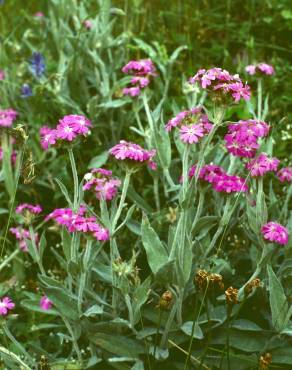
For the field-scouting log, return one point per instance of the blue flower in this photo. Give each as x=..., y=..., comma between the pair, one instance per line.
x=37, y=64
x=26, y=91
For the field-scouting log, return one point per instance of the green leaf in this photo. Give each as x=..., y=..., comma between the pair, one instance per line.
x=62, y=299
x=115, y=103
x=64, y=191
x=140, y=296
x=93, y=311
x=187, y=329
x=243, y=324
x=117, y=344
x=99, y=160
x=155, y=251
x=278, y=301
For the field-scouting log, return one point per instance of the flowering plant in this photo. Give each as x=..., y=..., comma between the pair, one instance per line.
x=144, y=226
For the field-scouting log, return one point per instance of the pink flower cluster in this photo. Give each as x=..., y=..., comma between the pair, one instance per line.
x=6, y=305
x=2, y=75
x=7, y=117
x=262, y=164
x=285, y=174
x=105, y=186
x=35, y=209
x=45, y=303
x=219, y=80
x=141, y=71
x=275, y=232
x=193, y=125
x=22, y=235
x=68, y=129
x=219, y=179
x=242, y=137
x=130, y=151
x=261, y=68
x=77, y=222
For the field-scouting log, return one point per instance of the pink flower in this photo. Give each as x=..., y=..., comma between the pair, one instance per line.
x=30, y=207
x=132, y=91
x=6, y=305
x=68, y=129
x=262, y=164
x=131, y=151
x=211, y=173
x=219, y=179
x=261, y=68
x=7, y=117
x=285, y=174
x=77, y=222
x=88, y=24
x=78, y=124
x=140, y=67
x=238, y=91
x=221, y=81
x=2, y=75
x=188, y=116
x=104, y=186
x=142, y=70
x=140, y=81
x=250, y=69
x=191, y=134
x=39, y=15
x=229, y=184
x=275, y=233
x=22, y=235
x=242, y=137
x=45, y=303
x=102, y=234
x=48, y=137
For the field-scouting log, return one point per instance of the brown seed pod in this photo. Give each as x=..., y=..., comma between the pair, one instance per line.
x=231, y=295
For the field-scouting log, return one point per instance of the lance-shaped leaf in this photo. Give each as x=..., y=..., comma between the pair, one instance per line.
x=278, y=302
x=156, y=253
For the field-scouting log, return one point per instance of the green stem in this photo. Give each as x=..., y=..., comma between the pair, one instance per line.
x=74, y=340
x=284, y=211
x=84, y=273
x=195, y=322
x=224, y=221
x=199, y=209
x=16, y=343
x=15, y=358
x=130, y=310
x=18, y=170
x=122, y=200
x=75, y=179
x=259, y=93
x=168, y=324
x=156, y=192
x=36, y=251
x=9, y=258
x=148, y=113
x=185, y=167
x=157, y=332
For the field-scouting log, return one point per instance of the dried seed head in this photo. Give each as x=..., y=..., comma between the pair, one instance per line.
x=231, y=295
x=255, y=283
x=265, y=361
x=217, y=279
x=165, y=300
x=201, y=279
